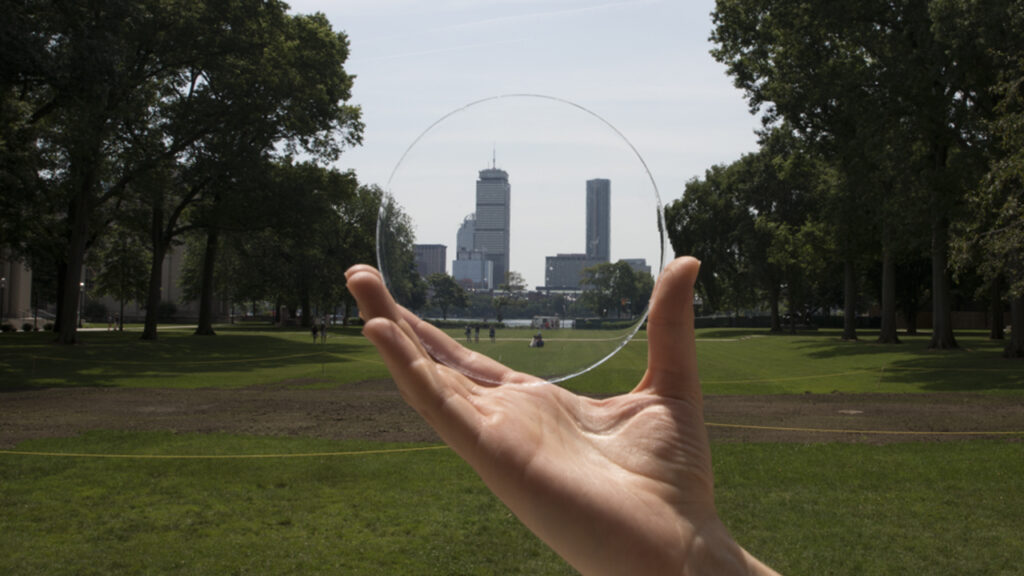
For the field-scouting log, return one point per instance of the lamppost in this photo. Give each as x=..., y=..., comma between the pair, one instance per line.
x=81, y=302
x=3, y=290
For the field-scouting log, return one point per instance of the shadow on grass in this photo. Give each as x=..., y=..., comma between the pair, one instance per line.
x=175, y=359
x=977, y=365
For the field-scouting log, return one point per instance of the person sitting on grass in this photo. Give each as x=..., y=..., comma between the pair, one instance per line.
x=620, y=485
x=537, y=341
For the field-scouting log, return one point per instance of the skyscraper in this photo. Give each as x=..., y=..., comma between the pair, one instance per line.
x=491, y=232
x=599, y=223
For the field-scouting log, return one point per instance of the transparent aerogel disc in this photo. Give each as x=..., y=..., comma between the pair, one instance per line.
x=529, y=214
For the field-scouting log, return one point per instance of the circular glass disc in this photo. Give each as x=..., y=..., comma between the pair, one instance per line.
x=529, y=216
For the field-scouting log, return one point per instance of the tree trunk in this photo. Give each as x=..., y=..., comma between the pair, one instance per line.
x=849, y=300
x=1015, y=347
x=153, y=294
x=205, y=327
x=888, y=334
x=79, y=216
x=153, y=298
x=997, y=324
x=773, y=303
x=62, y=275
x=942, y=316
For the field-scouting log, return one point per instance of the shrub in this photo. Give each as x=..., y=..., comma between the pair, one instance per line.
x=26, y=327
x=48, y=327
x=7, y=328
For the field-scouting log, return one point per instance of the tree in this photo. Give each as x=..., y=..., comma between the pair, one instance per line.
x=396, y=256
x=509, y=293
x=862, y=78
x=709, y=222
x=294, y=65
x=446, y=293
x=614, y=287
x=991, y=239
x=80, y=71
x=120, y=262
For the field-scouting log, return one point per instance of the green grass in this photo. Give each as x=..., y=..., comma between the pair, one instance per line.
x=942, y=509
x=237, y=357
x=731, y=361
x=402, y=513
x=947, y=508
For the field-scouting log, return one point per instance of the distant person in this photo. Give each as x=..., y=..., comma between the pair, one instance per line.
x=476, y=333
x=538, y=341
x=316, y=330
x=492, y=333
x=323, y=330
x=620, y=485
x=469, y=333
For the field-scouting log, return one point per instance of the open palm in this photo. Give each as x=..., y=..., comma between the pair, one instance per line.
x=616, y=486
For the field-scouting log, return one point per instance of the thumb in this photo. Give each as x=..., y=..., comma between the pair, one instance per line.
x=671, y=346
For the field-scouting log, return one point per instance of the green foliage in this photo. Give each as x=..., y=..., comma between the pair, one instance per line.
x=396, y=257
x=615, y=289
x=163, y=107
x=446, y=293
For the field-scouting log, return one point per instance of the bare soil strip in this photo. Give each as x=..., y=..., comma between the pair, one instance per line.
x=375, y=411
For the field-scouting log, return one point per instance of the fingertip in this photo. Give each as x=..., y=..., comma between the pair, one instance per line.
x=359, y=268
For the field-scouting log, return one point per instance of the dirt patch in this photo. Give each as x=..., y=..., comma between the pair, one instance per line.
x=375, y=411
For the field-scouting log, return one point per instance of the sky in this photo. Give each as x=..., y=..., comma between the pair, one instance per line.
x=630, y=91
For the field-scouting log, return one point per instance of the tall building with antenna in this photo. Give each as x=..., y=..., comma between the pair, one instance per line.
x=493, y=219
x=482, y=243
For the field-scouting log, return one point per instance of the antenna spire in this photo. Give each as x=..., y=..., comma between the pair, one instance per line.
x=494, y=156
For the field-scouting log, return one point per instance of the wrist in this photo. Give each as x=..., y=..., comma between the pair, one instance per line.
x=715, y=552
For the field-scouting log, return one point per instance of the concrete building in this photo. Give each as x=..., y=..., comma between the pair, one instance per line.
x=431, y=259
x=493, y=221
x=564, y=271
x=599, y=221
x=15, y=292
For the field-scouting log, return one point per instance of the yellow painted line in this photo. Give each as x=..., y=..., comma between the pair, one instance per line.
x=221, y=456
x=872, y=432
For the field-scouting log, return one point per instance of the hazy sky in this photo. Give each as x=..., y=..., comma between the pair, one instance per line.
x=643, y=66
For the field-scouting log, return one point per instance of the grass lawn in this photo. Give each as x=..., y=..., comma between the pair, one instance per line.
x=731, y=361
x=915, y=508
x=943, y=509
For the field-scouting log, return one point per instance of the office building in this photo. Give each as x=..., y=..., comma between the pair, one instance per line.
x=599, y=220
x=474, y=272
x=564, y=271
x=430, y=258
x=493, y=221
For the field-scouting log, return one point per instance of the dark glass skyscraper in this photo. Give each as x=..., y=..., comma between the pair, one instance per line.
x=599, y=219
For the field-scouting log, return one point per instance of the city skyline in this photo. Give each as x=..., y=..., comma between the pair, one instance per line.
x=549, y=149
x=669, y=96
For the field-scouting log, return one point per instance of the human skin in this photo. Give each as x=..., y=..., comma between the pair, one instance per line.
x=621, y=485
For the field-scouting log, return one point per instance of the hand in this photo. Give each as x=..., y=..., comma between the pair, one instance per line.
x=615, y=486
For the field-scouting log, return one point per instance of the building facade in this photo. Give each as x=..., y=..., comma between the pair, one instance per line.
x=564, y=271
x=431, y=259
x=493, y=221
x=474, y=273
x=599, y=220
